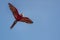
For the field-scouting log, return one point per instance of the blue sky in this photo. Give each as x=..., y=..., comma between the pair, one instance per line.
x=44, y=13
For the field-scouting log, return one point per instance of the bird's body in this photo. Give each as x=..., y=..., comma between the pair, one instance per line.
x=18, y=17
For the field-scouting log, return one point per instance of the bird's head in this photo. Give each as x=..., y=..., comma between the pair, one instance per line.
x=21, y=14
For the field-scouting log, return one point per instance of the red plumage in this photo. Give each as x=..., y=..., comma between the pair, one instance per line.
x=18, y=17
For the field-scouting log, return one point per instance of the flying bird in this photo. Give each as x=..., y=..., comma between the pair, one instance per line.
x=18, y=17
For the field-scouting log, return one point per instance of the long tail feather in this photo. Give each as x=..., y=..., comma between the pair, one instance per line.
x=13, y=24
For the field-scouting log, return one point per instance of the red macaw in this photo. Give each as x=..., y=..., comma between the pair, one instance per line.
x=18, y=17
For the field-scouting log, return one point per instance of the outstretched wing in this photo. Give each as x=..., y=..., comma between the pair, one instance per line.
x=26, y=20
x=14, y=10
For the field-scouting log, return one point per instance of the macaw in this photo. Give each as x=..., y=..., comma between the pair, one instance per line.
x=18, y=17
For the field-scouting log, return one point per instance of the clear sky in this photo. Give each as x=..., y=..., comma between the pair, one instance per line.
x=44, y=13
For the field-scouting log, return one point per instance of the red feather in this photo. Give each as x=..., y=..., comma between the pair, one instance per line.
x=18, y=17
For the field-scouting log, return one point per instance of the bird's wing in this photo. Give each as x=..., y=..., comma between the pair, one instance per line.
x=13, y=24
x=26, y=20
x=13, y=9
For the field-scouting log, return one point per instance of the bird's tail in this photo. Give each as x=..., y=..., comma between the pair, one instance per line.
x=13, y=24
